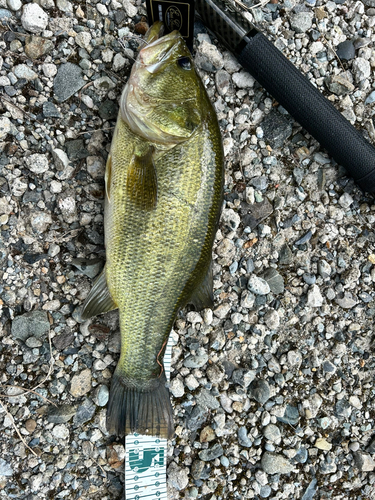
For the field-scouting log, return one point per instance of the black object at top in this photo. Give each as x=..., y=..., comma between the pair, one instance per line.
x=292, y=90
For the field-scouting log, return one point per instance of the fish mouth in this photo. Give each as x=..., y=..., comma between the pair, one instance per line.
x=159, y=49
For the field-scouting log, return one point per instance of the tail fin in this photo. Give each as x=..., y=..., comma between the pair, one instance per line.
x=140, y=407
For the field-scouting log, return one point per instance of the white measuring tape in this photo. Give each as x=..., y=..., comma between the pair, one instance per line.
x=146, y=457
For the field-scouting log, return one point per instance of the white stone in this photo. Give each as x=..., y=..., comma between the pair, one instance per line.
x=60, y=431
x=102, y=9
x=177, y=388
x=14, y=4
x=33, y=18
x=49, y=70
x=119, y=62
x=243, y=80
x=23, y=71
x=129, y=8
x=5, y=126
x=37, y=163
x=61, y=159
x=86, y=99
x=83, y=39
x=314, y=297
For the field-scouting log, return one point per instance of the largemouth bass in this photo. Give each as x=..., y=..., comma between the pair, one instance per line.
x=164, y=179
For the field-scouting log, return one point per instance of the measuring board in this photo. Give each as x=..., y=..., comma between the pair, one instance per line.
x=146, y=458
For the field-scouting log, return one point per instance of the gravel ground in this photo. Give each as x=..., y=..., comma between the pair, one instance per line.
x=273, y=389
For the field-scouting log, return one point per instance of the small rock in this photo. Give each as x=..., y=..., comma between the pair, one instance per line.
x=345, y=300
x=14, y=5
x=314, y=297
x=67, y=81
x=276, y=128
x=90, y=268
x=5, y=126
x=30, y=425
x=301, y=22
x=50, y=110
x=272, y=319
x=345, y=50
x=195, y=361
x=85, y=412
x=23, y=71
x=361, y=68
x=177, y=387
x=260, y=391
x=37, y=163
x=364, y=461
x=60, y=431
x=102, y=396
x=177, y=477
x=257, y=285
x=5, y=468
x=322, y=444
x=291, y=415
x=60, y=414
x=275, y=464
x=243, y=80
x=33, y=18
x=208, y=57
x=223, y=81
x=211, y=453
x=207, y=435
x=243, y=438
x=81, y=383
x=31, y=324
x=36, y=46
x=271, y=432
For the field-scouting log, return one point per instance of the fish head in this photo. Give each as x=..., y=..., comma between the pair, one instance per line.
x=162, y=97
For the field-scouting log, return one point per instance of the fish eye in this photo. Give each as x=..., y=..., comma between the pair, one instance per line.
x=184, y=62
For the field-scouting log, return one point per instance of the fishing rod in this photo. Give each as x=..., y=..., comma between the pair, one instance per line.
x=292, y=90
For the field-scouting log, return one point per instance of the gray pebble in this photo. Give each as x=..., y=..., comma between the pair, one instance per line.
x=272, y=432
x=310, y=490
x=301, y=22
x=277, y=128
x=291, y=415
x=90, y=268
x=33, y=323
x=211, y=453
x=275, y=280
x=67, y=81
x=195, y=361
x=102, y=396
x=345, y=50
x=301, y=456
x=273, y=463
x=60, y=414
x=50, y=110
x=346, y=300
x=285, y=255
x=363, y=461
x=243, y=438
x=5, y=468
x=85, y=412
x=265, y=491
x=257, y=285
x=177, y=477
x=260, y=391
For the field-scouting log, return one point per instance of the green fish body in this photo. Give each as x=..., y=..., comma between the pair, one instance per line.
x=164, y=180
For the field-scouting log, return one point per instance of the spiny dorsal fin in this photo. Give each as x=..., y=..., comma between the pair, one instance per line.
x=141, y=183
x=203, y=296
x=99, y=299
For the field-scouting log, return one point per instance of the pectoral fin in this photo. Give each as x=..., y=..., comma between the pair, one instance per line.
x=203, y=296
x=141, y=184
x=99, y=299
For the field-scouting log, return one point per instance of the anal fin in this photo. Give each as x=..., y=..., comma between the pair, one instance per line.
x=141, y=182
x=99, y=299
x=203, y=296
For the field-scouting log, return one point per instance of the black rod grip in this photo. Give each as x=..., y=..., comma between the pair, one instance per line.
x=310, y=108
